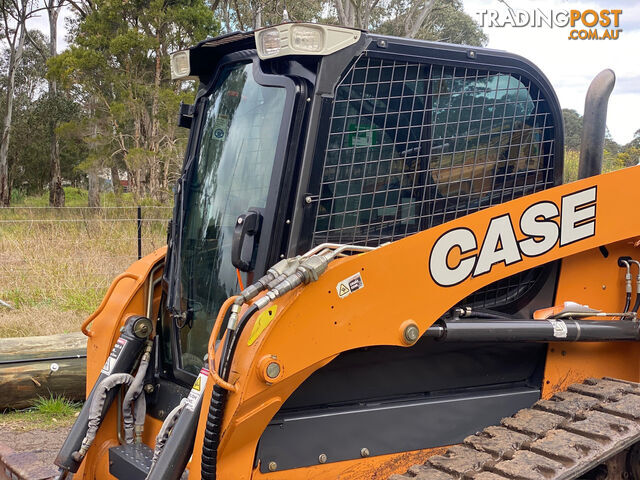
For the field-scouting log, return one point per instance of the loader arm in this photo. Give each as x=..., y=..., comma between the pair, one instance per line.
x=413, y=280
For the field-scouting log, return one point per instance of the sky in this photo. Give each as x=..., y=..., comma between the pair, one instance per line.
x=570, y=65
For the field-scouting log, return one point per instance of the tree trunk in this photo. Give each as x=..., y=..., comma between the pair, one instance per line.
x=56, y=192
x=257, y=23
x=15, y=57
x=94, y=188
x=155, y=121
x=115, y=180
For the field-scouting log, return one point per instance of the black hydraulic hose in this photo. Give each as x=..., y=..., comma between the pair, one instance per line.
x=636, y=305
x=627, y=302
x=213, y=428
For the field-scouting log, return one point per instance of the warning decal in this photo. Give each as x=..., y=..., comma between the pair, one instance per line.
x=197, y=390
x=349, y=285
x=109, y=365
x=263, y=321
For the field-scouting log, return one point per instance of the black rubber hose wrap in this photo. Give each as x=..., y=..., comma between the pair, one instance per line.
x=213, y=428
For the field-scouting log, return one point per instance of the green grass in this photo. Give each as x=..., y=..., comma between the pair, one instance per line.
x=56, y=264
x=47, y=413
x=78, y=197
x=57, y=406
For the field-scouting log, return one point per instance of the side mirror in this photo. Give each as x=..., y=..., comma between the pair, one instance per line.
x=185, y=115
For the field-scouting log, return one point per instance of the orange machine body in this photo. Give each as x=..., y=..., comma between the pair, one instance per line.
x=307, y=328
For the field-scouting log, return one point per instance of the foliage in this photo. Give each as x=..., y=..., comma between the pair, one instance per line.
x=572, y=129
x=57, y=406
x=615, y=156
x=46, y=414
x=446, y=22
x=119, y=59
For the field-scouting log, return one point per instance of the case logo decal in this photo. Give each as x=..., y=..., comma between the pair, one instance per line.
x=458, y=254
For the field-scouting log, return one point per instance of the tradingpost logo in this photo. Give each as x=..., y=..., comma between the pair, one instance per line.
x=586, y=24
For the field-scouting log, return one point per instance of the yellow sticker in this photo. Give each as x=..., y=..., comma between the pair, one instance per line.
x=196, y=386
x=263, y=321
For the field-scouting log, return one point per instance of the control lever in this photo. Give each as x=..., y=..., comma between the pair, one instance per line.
x=247, y=224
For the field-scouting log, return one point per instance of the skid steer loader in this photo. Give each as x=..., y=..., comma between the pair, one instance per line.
x=373, y=271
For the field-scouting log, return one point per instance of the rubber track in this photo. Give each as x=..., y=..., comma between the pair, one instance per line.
x=556, y=439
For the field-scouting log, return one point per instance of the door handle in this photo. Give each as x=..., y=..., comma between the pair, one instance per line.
x=247, y=224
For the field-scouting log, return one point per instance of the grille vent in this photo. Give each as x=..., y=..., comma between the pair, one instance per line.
x=414, y=145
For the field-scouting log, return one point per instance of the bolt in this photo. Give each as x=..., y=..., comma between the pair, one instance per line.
x=288, y=222
x=282, y=255
x=308, y=99
x=308, y=199
x=273, y=370
x=54, y=367
x=364, y=452
x=149, y=388
x=604, y=287
x=240, y=221
x=142, y=327
x=322, y=458
x=273, y=466
x=411, y=333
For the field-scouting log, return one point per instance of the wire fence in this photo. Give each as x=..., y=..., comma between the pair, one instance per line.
x=67, y=257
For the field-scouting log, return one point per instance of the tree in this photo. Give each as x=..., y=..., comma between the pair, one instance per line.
x=34, y=110
x=14, y=15
x=120, y=57
x=439, y=20
x=572, y=129
x=252, y=14
x=56, y=192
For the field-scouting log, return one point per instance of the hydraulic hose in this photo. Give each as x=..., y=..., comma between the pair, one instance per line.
x=165, y=429
x=636, y=304
x=133, y=395
x=213, y=427
x=484, y=313
x=95, y=413
x=627, y=302
x=217, y=326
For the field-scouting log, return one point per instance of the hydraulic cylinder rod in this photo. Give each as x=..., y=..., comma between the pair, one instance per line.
x=525, y=330
x=122, y=359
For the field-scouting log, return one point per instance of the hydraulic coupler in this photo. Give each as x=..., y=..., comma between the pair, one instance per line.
x=122, y=359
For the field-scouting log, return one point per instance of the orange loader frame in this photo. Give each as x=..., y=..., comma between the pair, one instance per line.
x=308, y=327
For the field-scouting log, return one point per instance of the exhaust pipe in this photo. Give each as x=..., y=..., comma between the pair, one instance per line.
x=594, y=124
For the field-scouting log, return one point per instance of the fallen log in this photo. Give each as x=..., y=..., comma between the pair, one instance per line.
x=32, y=367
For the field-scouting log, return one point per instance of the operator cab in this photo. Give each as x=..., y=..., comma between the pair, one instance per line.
x=302, y=134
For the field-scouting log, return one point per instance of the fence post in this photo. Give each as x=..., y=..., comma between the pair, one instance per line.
x=139, y=219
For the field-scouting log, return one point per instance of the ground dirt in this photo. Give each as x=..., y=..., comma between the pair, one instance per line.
x=43, y=441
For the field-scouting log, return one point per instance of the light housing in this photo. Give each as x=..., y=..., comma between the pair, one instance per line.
x=303, y=39
x=180, y=65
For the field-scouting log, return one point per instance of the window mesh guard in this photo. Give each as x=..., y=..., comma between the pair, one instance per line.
x=414, y=145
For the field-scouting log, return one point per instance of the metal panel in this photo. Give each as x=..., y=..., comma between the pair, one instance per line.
x=386, y=427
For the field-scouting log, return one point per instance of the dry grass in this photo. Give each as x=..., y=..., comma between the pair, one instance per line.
x=56, y=264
